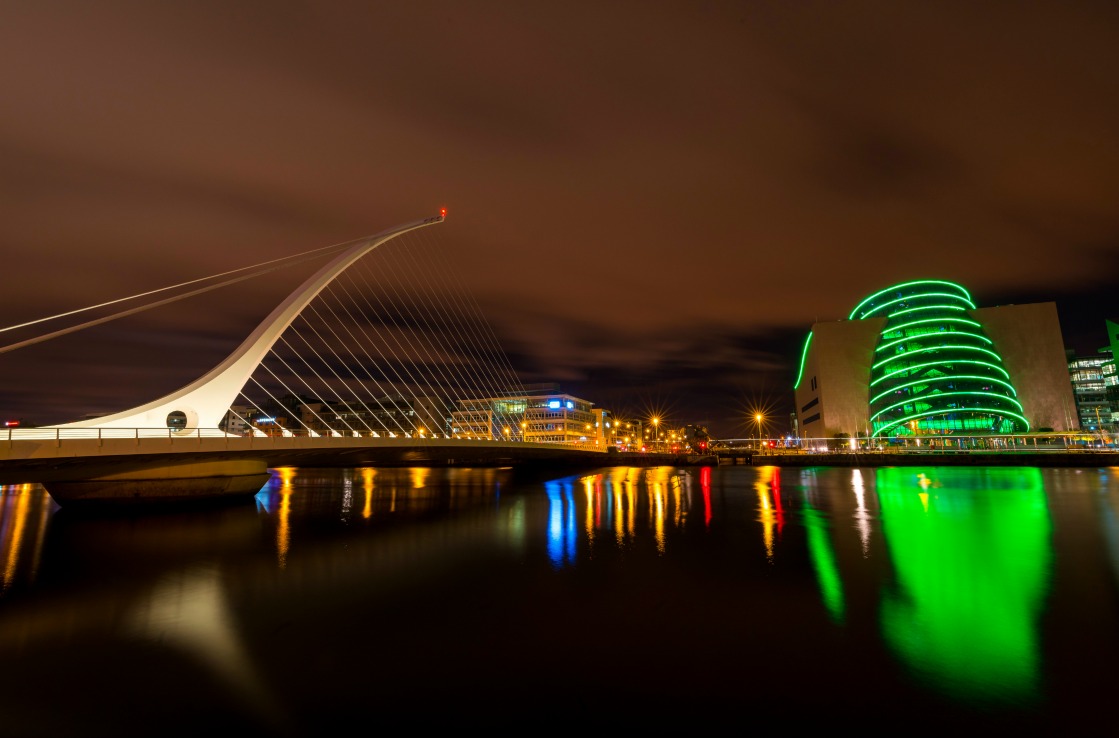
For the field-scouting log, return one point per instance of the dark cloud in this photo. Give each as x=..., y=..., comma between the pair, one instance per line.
x=645, y=198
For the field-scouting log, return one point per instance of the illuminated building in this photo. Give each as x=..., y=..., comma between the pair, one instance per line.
x=1086, y=376
x=920, y=358
x=1095, y=384
x=1111, y=374
x=540, y=415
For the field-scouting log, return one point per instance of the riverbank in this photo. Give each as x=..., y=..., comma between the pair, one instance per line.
x=931, y=457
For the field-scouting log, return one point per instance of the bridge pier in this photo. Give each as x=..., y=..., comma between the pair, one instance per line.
x=165, y=483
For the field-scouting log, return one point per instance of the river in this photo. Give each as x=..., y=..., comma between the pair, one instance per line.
x=916, y=599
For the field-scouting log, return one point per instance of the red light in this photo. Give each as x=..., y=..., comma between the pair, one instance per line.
x=442, y=212
x=11, y=423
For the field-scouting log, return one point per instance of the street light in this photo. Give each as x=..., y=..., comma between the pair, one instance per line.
x=758, y=417
x=656, y=432
x=524, y=432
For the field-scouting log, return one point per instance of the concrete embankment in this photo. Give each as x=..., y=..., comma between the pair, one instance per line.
x=938, y=457
x=946, y=457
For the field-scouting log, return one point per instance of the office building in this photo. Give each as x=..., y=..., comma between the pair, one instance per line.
x=540, y=415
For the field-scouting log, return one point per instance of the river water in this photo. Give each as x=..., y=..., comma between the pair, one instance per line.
x=731, y=598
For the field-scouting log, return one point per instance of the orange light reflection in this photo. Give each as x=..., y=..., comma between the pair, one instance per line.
x=367, y=475
x=283, y=530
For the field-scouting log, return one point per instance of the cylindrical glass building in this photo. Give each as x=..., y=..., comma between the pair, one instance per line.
x=934, y=370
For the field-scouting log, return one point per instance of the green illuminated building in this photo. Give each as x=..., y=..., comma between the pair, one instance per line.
x=920, y=358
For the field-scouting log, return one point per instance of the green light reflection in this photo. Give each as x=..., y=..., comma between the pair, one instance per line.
x=972, y=554
x=823, y=561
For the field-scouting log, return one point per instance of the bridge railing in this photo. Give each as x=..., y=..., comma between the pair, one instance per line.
x=66, y=434
x=58, y=434
x=932, y=445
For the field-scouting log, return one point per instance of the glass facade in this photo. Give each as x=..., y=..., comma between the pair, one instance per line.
x=536, y=418
x=1089, y=387
x=934, y=370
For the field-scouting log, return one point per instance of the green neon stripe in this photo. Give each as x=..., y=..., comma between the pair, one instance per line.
x=936, y=348
x=908, y=284
x=970, y=411
x=876, y=308
x=916, y=336
x=996, y=367
x=803, y=357
x=944, y=378
x=927, y=398
x=927, y=307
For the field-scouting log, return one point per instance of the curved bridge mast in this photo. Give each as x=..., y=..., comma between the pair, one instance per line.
x=204, y=402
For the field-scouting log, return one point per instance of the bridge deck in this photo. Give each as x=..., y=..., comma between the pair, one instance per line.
x=47, y=459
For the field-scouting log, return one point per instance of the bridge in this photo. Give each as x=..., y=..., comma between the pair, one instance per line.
x=378, y=358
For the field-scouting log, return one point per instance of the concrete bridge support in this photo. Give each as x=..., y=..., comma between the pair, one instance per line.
x=165, y=483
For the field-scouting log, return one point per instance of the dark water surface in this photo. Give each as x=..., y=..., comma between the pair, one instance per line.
x=730, y=598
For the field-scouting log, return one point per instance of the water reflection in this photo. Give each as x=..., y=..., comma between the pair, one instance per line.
x=705, y=486
x=561, y=522
x=189, y=610
x=621, y=486
x=821, y=551
x=275, y=497
x=771, y=514
x=1109, y=515
x=339, y=584
x=862, y=515
x=971, y=551
x=367, y=475
x=593, y=494
x=823, y=561
x=611, y=500
x=24, y=511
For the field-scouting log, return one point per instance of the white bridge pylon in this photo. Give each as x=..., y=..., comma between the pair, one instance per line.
x=205, y=401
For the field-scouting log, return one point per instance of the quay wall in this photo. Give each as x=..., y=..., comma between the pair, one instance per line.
x=939, y=457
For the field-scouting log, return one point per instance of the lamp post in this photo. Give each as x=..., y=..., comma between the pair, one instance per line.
x=524, y=431
x=758, y=419
x=656, y=432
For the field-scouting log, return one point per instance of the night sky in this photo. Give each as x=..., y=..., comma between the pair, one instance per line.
x=652, y=202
